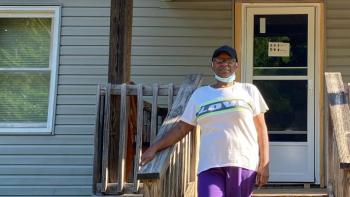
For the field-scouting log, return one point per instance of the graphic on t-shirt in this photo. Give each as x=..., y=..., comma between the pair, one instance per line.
x=215, y=107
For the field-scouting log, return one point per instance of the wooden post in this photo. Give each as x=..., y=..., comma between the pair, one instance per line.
x=339, y=146
x=97, y=170
x=339, y=111
x=118, y=70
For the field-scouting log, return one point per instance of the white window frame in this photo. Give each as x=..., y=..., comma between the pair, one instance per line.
x=53, y=12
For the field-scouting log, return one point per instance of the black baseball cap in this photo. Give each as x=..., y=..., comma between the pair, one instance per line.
x=225, y=49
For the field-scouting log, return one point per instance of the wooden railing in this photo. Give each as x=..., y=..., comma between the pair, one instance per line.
x=137, y=120
x=338, y=136
x=172, y=172
x=138, y=128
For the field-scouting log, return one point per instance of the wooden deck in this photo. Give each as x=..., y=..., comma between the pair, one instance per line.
x=290, y=192
x=275, y=192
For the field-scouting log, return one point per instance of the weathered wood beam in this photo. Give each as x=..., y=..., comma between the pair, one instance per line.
x=340, y=116
x=120, y=41
x=118, y=71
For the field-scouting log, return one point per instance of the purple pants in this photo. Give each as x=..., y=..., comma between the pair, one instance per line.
x=226, y=182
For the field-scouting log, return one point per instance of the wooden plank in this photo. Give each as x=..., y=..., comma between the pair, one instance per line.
x=177, y=171
x=98, y=138
x=172, y=175
x=182, y=165
x=339, y=110
x=147, y=90
x=152, y=188
x=154, y=112
x=156, y=168
x=112, y=188
x=290, y=192
x=106, y=133
x=331, y=159
x=348, y=90
x=190, y=190
x=122, y=137
x=346, y=183
x=194, y=154
x=138, y=135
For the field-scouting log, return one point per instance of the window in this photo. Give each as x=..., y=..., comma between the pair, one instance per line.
x=28, y=68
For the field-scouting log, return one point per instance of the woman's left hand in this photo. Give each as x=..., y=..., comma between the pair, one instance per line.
x=262, y=174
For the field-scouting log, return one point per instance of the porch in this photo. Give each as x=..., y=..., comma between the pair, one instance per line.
x=173, y=171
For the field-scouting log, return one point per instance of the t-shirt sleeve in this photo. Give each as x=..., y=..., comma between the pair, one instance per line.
x=259, y=104
x=189, y=115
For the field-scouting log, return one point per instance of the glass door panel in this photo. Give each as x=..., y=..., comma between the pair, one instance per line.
x=287, y=100
x=280, y=44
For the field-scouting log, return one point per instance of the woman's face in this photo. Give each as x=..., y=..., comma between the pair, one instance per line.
x=224, y=66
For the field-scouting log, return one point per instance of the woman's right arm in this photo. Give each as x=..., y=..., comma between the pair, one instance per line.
x=175, y=134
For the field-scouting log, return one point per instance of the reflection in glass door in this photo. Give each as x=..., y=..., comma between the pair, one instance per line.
x=280, y=56
x=280, y=50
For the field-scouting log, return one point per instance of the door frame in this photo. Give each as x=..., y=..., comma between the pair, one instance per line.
x=240, y=43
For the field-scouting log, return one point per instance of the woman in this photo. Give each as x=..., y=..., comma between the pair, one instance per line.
x=234, y=147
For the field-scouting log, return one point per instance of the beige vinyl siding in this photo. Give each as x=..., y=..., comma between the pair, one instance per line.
x=61, y=164
x=173, y=39
x=338, y=37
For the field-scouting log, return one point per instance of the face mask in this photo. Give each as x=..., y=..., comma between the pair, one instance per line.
x=229, y=79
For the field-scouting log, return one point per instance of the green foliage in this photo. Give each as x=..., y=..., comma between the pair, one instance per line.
x=24, y=92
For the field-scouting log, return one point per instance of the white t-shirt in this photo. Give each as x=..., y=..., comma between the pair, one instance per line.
x=225, y=116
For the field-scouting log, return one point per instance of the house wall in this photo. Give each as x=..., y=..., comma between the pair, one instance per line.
x=61, y=165
x=173, y=39
x=338, y=37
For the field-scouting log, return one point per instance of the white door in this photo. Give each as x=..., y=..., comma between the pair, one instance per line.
x=280, y=60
